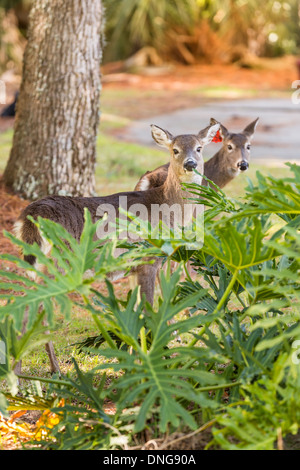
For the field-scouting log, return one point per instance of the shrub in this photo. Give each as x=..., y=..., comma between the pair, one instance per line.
x=236, y=367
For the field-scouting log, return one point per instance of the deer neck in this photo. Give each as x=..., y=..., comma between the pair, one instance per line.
x=217, y=169
x=174, y=192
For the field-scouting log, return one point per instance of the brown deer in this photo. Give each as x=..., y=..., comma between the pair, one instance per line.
x=223, y=167
x=186, y=156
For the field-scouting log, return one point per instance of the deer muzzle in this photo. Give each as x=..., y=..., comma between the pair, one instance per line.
x=243, y=165
x=190, y=165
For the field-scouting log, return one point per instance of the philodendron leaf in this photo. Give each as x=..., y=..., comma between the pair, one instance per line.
x=153, y=377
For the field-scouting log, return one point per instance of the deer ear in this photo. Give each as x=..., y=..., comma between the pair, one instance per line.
x=161, y=137
x=213, y=121
x=250, y=129
x=223, y=131
x=207, y=134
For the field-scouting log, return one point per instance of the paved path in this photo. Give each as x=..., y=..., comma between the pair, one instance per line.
x=276, y=140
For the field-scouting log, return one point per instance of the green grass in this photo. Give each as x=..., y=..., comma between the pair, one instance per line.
x=224, y=92
x=120, y=164
x=5, y=146
x=65, y=336
x=232, y=92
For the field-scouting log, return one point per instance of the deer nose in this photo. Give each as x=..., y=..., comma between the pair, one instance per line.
x=243, y=165
x=190, y=165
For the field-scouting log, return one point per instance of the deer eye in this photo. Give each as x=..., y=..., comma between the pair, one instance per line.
x=199, y=149
x=248, y=147
x=229, y=147
x=175, y=151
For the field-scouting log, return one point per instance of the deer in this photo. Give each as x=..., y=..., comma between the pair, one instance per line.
x=185, y=157
x=232, y=159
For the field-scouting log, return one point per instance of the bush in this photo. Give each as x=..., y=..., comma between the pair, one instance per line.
x=237, y=366
x=193, y=30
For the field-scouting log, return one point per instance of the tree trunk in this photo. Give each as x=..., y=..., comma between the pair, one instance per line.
x=54, y=145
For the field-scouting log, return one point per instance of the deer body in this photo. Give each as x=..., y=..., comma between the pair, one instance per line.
x=186, y=155
x=69, y=212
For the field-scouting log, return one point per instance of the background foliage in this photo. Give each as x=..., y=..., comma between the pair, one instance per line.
x=186, y=31
x=194, y=30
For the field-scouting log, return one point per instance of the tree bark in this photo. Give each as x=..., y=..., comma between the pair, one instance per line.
x=54, y=144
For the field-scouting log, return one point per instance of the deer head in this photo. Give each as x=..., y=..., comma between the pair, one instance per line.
x=236, y=147
x=185, y=150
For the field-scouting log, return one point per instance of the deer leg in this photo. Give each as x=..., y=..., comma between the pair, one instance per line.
x=146, y=275
x=54, y=366
x=18, y=366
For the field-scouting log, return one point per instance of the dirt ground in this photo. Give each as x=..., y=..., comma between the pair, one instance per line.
x=269, y=74
x=11, y=206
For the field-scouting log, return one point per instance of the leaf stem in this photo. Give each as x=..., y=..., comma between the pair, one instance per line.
x=143, y=340
x=227, y=292
x=218, y=387
x=187, y=272
x=44, y=379
x=104, y=333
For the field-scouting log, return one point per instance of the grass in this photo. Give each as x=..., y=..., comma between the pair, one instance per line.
x=120, y=164
x=65, y=336
x=231, y=92
x=5, y=146
x=224, y=92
